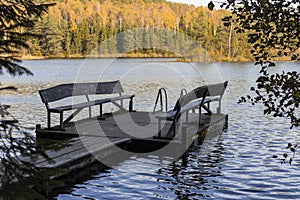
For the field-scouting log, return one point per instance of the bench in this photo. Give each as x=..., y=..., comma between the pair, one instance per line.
x=198, y=98
x=64, y=91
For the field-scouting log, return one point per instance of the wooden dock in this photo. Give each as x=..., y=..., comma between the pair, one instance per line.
x=86, y=141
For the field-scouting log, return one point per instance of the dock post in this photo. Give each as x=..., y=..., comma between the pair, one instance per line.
x=38, y=127
x=48, y=119
x=226, y=123
x=184, y=137
x=185, y=145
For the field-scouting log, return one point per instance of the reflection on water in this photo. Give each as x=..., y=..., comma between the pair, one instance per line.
x=237, y=164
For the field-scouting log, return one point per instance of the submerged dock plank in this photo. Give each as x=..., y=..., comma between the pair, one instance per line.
x=66, y=156
x=73, y=150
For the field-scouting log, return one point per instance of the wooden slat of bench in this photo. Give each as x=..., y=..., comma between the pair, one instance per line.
x=167, y=115
x=88, y=103
x=128, y=96
x=100, y=101
x=80, y=105
x=77, y=89
x=196, y=103
x=191, y=105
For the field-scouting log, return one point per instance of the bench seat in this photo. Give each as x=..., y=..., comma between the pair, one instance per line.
x=190, y=106
x=60, y=109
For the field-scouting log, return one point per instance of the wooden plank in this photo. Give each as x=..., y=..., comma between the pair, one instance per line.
x=67, y=157
x=67, y=147
x=78, y=146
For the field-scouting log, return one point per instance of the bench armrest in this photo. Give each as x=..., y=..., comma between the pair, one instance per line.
x=166, y=115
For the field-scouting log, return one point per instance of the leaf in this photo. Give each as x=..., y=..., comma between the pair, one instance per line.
x=293, y=150
x=294, y=57
x=272, y=65
x=211, y=5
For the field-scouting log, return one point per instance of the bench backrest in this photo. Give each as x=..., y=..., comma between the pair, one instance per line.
x=201, y=92
x=217, y=89
x=196, y=93
x=77, y=89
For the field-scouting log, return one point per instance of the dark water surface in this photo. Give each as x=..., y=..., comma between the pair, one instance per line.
x=236, y=164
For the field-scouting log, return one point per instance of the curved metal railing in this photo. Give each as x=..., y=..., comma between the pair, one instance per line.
x=159, y=98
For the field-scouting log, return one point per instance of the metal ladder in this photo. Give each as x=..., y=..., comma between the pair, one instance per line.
x=159, y=98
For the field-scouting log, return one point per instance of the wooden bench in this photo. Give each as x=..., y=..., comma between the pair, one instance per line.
x=198, y=98
x=63, y=91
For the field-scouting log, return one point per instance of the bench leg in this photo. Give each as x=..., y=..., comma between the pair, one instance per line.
x=61, y=121
x=206, y=109
x=130, y=105
x=219, y=108
x=49, y=119
x=174, y=127
x=200, y=116
x=187, y=117
x=90, y=112
x=101, y=116
x=159, y=128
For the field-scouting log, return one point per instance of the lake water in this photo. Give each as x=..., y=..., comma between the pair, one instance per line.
x=237, y=164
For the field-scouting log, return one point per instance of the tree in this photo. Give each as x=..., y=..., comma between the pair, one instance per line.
x=273, y=29
x=79, y=26
x=127, y=41
x=50, y=37
x=16, y=17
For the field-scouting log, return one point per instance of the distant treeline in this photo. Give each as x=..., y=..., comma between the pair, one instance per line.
x=76, y=28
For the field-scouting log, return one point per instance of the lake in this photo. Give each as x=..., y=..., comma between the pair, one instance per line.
x=236, y=164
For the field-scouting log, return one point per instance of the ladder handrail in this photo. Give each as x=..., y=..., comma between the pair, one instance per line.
x=183, y=92
x=160, y=97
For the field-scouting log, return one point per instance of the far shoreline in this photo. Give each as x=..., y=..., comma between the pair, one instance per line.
x=178, y=59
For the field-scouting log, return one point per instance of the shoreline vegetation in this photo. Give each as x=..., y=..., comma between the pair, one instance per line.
x=137, y=29
x=144, y=28
x=178, y=59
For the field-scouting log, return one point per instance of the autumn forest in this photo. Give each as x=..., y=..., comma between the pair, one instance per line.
x=136, y=28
